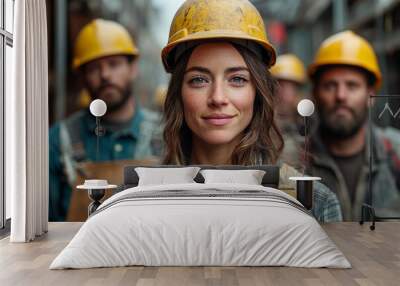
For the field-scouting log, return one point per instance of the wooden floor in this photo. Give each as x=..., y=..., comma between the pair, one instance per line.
x=374, y=255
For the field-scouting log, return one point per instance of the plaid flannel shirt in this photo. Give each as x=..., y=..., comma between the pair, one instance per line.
x=326, y=206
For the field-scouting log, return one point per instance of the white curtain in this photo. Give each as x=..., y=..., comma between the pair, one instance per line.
x=27, y=124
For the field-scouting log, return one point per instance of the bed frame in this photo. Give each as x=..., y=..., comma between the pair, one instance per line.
x=270, y=179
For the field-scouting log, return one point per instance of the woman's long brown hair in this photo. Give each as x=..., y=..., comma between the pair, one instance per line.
x=262, y=141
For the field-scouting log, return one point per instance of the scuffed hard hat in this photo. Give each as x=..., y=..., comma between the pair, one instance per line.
x=216, y=19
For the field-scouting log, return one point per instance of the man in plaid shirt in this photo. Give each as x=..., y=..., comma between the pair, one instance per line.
x=326, y=206
x=345, y=73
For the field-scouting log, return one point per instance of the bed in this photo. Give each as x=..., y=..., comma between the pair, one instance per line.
x=201, y=224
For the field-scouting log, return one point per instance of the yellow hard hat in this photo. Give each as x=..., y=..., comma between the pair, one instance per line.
x=347, y=48
x=102, y=38
x=289, y=67
x=216, y=19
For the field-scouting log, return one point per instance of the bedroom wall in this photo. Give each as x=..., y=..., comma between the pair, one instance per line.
x=297, y=26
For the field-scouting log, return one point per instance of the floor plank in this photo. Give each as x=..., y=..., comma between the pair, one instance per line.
x=374, y=255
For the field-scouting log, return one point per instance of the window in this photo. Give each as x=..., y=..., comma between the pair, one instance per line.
x=9, y=15
x=6, y=44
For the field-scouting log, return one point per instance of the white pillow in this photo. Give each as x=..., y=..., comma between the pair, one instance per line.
x=163, y=176
x=248, y=177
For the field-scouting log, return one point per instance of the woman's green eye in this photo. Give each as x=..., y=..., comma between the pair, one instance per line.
x=197, y=80
x=238, y=80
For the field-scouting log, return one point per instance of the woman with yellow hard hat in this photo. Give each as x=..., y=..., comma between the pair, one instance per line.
x=219, y=106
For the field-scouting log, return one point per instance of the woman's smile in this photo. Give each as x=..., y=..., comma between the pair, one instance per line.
x=218, y=119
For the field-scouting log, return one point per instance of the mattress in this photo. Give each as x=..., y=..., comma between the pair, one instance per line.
x=201, y=225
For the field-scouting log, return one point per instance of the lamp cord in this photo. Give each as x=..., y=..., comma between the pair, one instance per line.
x=98, y=137
x=305, y=146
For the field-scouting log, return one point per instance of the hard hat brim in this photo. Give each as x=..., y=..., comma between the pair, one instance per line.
x=313, y=68
x=300, y=81
x=234, y=35
x=78, y=63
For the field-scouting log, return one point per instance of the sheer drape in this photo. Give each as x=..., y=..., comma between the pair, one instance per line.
x=27, y=123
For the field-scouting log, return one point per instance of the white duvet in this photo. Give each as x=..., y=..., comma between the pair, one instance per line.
x=224, y=225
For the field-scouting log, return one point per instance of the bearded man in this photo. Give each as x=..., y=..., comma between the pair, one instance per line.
x=345, y=73
x=105, y=58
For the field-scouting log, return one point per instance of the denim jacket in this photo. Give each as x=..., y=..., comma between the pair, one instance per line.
x=73, y=140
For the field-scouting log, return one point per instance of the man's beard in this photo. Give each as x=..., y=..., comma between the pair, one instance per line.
x=340, y=128
x=116, y=105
